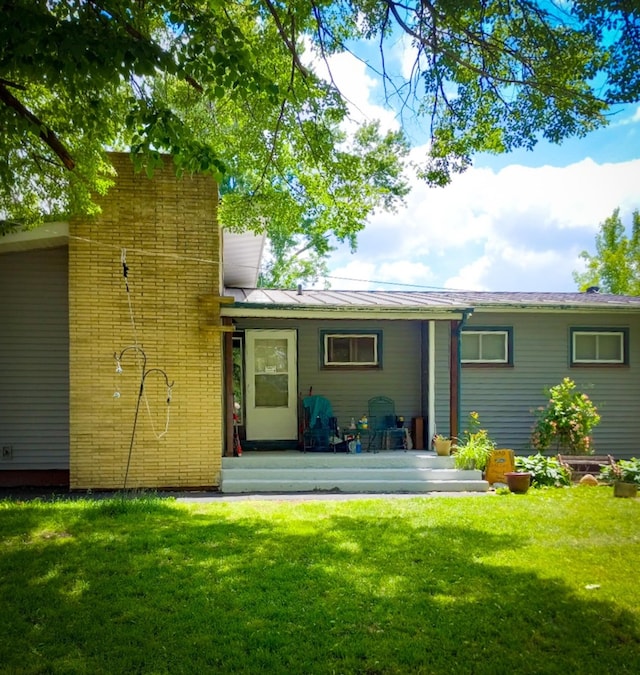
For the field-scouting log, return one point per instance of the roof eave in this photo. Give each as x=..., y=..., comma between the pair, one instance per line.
x=342, y=312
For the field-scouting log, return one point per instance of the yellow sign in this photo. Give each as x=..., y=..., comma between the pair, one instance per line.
x=500, y=462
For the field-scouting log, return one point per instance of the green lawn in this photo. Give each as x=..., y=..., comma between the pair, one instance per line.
x=547, y=582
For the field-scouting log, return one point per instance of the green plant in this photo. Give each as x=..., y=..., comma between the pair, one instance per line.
x=566, y=422
x=475, y=448
x=545, y=471
x=625, y=470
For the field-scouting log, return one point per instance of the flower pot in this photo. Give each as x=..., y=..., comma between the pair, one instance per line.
x=621, y=489
x=518, y=481
x=442, y=446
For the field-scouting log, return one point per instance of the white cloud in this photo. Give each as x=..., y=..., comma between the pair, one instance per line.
x=356, y=84
x=518, y=229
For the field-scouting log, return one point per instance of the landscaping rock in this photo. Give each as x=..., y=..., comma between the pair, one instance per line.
x=588, y=480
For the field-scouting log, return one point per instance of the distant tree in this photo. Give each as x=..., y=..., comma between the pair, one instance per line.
x=615, y=267
x=294, y=260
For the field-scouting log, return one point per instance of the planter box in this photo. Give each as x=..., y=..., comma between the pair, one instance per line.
x=621, y=489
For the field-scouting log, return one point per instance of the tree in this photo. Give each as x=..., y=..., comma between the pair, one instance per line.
x=615, y=267
x=228, y=88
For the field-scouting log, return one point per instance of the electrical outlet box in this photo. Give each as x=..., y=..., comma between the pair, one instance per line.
x=7, y=451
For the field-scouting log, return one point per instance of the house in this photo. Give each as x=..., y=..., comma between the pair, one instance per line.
x=124, y=339
x=440, y=355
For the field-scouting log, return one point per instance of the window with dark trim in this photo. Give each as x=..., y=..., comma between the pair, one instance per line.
x=599, y=346
x=492, y=346
x=350, y=349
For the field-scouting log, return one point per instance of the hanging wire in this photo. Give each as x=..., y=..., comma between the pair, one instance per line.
x=125, y=275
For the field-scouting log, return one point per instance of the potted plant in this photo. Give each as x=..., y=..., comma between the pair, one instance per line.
x=442, y=445
x=475, y=448
x=625, y=476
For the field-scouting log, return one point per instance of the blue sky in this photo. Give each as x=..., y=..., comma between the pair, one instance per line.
x=515, y=222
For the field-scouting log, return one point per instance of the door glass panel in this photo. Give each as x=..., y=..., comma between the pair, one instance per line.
x=271, y=355
x=272, y=391
x=271, y=373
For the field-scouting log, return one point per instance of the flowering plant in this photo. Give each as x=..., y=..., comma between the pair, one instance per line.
x=566, y=422
x=475, y=447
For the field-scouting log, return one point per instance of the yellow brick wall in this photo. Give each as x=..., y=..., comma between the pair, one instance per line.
x=169, y=229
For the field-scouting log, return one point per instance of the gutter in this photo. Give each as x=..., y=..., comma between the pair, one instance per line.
x=339, y=312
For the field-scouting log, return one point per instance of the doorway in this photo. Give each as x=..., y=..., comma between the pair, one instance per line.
x=271, y=406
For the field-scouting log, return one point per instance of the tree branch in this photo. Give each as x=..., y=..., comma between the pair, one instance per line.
x=285, y=38
x=137, y=35
x=46, y=134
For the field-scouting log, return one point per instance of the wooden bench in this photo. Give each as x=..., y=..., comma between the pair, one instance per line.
x=581, y=465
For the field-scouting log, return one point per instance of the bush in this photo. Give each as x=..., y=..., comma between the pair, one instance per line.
x=625, y=470
x=567, y=421
x=545, y=471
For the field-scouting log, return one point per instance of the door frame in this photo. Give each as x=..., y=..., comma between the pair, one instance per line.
x=289, y=414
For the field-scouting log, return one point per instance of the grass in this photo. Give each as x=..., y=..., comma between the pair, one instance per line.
x=541, y=583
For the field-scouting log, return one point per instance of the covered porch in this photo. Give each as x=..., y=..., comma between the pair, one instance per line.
x=348, y=347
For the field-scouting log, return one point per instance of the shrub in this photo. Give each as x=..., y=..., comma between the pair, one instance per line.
x=545, y=471
x=566, y=422
x=625, y=470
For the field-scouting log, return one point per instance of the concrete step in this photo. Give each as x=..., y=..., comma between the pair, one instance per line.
x=351, y=473
x=298, y=460
x=364, y=485
x=384, y=472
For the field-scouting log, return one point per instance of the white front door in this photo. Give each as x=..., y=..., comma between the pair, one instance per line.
x=271, y=398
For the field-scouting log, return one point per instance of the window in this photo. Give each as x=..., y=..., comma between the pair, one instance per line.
x=599, y=346
x=351, y=350
x=487, y=345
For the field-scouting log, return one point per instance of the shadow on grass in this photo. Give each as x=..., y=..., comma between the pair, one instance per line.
x=154, y=587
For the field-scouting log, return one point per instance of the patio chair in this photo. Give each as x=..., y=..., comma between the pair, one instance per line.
x=320, y=426
x=383, y=430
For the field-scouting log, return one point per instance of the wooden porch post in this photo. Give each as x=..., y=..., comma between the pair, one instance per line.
x=454, y=378
x=228, y=387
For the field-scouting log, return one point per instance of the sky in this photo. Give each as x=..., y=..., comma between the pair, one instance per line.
x=515, y=222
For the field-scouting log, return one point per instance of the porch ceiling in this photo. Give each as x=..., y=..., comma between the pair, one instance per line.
x=241, y=254
x=48, y=235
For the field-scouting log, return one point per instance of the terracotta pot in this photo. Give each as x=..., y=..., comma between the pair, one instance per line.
x=621, y=489
x=442, y=446
x=518, y=481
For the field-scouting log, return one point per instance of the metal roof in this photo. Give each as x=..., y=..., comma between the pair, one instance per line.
x=267, y=298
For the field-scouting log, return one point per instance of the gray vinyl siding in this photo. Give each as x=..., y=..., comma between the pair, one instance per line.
x=506, y=397
x=349, y=390
x=34, y=359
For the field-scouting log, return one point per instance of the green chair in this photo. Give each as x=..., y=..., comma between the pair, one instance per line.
x=384, y=432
